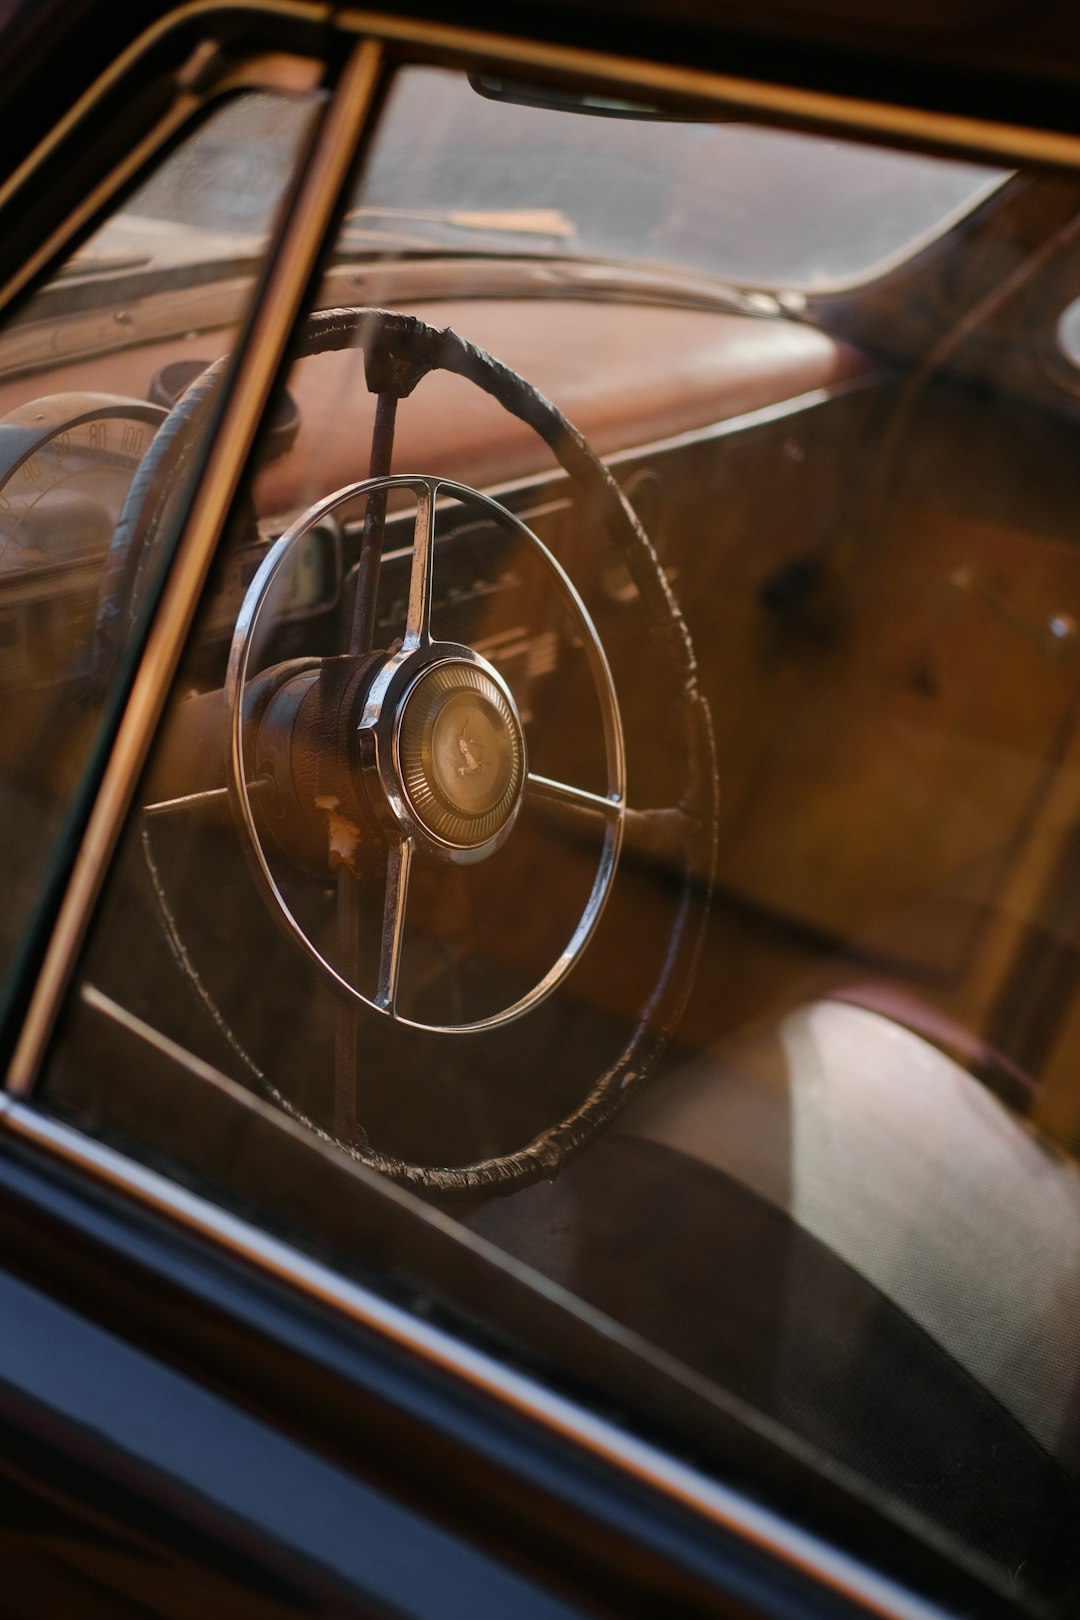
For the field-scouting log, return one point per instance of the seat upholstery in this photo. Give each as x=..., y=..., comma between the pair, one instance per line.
x=905, y=1167
x=856, y=1244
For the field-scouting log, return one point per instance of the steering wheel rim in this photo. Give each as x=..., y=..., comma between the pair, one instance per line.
x=611, y=806
x=399, y=350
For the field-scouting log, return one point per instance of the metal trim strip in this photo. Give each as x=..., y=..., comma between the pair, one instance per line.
x=262, y=74
x=954, y=132
x=128, y=58
x=721, y=1505
x=293, y=264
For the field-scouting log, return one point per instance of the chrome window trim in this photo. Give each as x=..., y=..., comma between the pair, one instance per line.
x=262, y=72
x=295, y=256
x=720, y=1504
x=130, y=57
x=764, y=102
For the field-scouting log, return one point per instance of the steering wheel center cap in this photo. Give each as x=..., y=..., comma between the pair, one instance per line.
x=461, y=754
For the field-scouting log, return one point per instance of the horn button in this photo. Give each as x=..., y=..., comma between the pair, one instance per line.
x=460, y=754
x=449, y=750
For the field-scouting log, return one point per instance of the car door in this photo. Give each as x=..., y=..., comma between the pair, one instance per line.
x=319, y=616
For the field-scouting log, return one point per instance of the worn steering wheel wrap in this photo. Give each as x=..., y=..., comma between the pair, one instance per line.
x=425, y=810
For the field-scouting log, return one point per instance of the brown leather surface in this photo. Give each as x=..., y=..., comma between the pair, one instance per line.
x=624, y=374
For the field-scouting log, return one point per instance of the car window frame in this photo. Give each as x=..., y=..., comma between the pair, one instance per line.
x=243, y=406
x=215, y=77
x=30, y=1010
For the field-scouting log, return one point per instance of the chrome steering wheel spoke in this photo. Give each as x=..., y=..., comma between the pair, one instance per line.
x=398, y=868
x=658, y=834
x=546, y=789
x=418, y=613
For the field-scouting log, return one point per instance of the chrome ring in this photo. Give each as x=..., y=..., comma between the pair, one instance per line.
x=611, y=804
x=428, y=777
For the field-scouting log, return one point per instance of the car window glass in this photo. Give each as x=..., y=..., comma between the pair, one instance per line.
x=647, y=847
x=89, y=367
x=749, y=205
x=456, y=172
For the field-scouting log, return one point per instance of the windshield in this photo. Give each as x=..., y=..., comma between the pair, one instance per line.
x=455, y=172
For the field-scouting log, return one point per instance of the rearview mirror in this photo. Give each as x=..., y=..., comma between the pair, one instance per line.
x=558, y=98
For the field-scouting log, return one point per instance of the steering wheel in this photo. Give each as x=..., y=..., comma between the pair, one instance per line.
x=421, y=745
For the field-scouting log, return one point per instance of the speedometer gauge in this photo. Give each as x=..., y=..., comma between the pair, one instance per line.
x=65, y=465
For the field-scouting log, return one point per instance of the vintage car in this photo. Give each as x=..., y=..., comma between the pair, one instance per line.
x=539, y=810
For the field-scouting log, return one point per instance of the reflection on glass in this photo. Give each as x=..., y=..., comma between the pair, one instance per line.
x=797, y=1124
x=89, y=369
